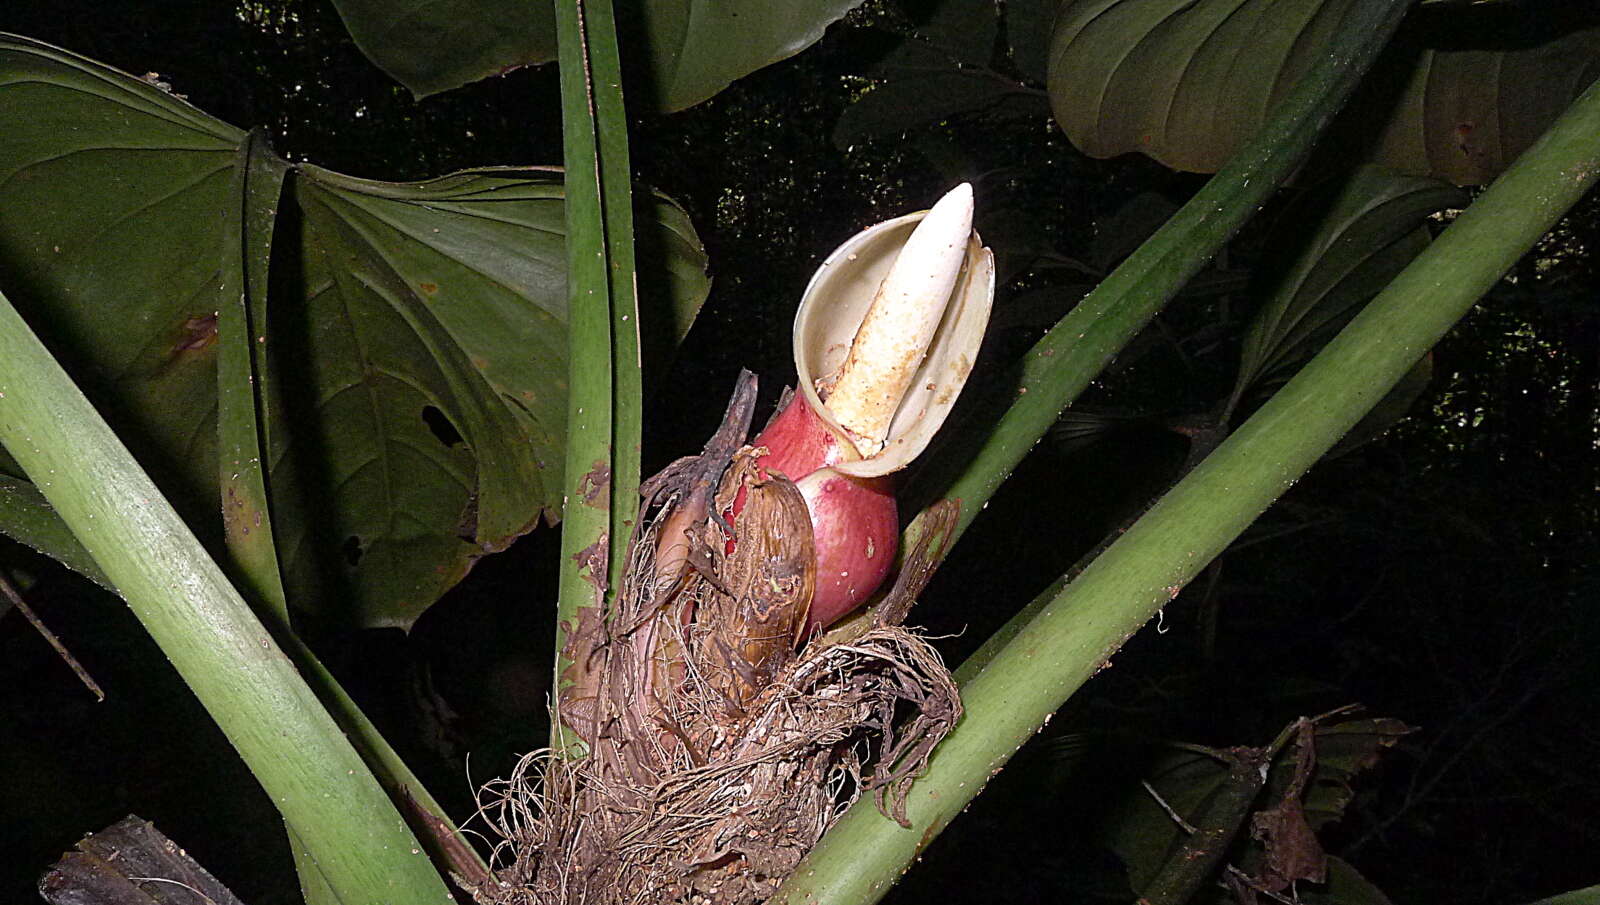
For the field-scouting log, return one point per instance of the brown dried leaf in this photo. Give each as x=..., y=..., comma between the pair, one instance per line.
x=1292, y=850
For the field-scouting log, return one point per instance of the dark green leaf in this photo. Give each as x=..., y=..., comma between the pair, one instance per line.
x=1345, y=886
x=1116, y=236
x=694, y=48
x=1080, y=428
x=431, y=46
x=1367, y=229
x=110, y=192
x=908, y=102
x=28, y=517
x=1589, y=895
x=953, y=162
x=1465, y=115
x=1344, y=751
x=1144, y=835
x=964, y=29
x=1185, y=82
x=1028, y=32
x=415, y=444
x=924, y=82
x=1038, y=308
x=417, y=347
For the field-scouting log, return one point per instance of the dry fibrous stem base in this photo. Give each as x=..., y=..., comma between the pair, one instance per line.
x=716, y=755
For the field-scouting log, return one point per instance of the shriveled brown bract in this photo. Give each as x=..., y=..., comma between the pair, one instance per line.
x=716, y=754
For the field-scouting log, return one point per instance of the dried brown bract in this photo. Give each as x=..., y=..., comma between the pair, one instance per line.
x=717, y=754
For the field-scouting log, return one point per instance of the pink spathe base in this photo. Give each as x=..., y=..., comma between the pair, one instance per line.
x=857, y=531
x=855, y=521
x=799, y=442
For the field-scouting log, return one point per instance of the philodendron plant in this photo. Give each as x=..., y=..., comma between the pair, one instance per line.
x=718, y=731
x=721, y=731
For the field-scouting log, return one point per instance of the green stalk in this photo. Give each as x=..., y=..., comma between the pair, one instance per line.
x=242, y=376
x=627, y=362
x=225, y=654
x=1061, y=364
x=1044, y=659
x=1589, y=895
x=603, y=406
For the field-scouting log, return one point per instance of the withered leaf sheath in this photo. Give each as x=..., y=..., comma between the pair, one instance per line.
x=745, y=630
x=708, y=603
x=621, y=694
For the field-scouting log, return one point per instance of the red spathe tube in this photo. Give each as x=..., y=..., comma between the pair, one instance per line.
x=854, y=520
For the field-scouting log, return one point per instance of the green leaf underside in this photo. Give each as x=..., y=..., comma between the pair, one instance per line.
x=1367, y=232
x=418, y=333
x=431, y=46
x=693, y=48
x=906, y=103
x=1188, y=81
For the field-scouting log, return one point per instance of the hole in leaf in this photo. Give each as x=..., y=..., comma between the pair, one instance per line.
x=443, y=430
x=352, y=550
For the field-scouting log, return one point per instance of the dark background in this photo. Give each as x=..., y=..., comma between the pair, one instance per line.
x=1444, y=574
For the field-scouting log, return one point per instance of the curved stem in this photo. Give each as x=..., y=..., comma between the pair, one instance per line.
x=224, y=653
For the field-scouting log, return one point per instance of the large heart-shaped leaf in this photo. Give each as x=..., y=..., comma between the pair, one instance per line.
x=1185, y=81
x=693, y=48
x=416, y=340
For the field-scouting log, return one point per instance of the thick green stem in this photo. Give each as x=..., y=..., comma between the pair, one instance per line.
x=1026, y=674
x=248, y=685
x=603, y=409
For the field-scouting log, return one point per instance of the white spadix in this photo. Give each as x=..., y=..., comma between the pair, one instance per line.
x=886, y=333
x=888, y=330
x=898, y=328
